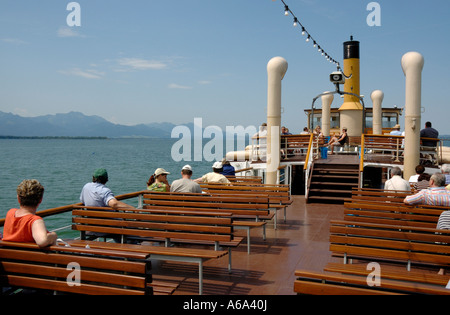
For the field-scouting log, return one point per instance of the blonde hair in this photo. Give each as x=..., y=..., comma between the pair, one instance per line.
x=30, y=192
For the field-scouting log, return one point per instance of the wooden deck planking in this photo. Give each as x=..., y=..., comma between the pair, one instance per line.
x=301, y=242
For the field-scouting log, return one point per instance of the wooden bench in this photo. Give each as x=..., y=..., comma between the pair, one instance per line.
x=380, y=195
x=241, y=208
x=394, y=243
x=294, y=145
x=177, y=254
x=320, y=283
x=417, y=277
x=193, y=228
x=429, y=155
x=74, y=270
x=244, y=179
x=351, y=146
x=392, y=214
x=383, y=145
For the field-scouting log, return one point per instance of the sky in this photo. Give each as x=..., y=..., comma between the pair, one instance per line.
x=134, y=62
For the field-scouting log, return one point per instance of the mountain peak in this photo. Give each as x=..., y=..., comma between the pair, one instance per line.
x=76, y=124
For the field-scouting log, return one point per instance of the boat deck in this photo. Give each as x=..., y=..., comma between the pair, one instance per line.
x=299, y=243
x=339, y=159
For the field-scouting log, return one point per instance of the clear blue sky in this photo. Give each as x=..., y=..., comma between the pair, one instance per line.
x=153, y=61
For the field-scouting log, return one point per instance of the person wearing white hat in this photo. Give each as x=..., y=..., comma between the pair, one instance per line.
x=185, y=183
x=215, y=176
x=158, y=181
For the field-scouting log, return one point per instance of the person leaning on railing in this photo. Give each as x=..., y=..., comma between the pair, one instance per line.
x=23, y=225
x=96, y=194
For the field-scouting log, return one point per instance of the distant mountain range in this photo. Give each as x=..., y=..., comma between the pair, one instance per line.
x=75, y=124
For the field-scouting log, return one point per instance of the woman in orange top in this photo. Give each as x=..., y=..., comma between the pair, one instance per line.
x=23, y=225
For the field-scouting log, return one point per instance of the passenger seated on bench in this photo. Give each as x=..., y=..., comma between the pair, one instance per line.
x=423, y=182
x=185, y=183
x=96, y=194
x=420, y=169
x=443, y=224
x=318, y=132
x=338, y=141
x=445, y=168
x=23, y=225
x=436, y=195
x=215, y=176
x=158, y=181
x=397, y=182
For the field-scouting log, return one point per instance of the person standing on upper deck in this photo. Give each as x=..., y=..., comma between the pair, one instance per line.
x=436, y=195
x=429, y=132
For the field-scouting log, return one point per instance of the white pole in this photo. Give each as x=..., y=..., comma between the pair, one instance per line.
x=326, y=109
x=377, y=97
x=276, y=69
x=412, y=64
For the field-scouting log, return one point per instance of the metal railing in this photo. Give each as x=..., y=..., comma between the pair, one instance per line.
x=387, y=148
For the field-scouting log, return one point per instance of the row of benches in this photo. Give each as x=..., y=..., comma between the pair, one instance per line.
x=387, y=232
x=74, y=270
x=166, y=217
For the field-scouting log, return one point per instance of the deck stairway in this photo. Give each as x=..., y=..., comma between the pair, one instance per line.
x=332, y=183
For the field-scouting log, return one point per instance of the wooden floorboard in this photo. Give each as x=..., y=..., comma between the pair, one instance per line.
x=299, y=243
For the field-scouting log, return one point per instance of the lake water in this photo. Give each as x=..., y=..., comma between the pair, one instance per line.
x=63, y=166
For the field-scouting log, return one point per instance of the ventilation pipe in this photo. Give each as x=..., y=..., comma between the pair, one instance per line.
x=412, y=64
x=377, y=97
x=276, y=69
x=327, y=99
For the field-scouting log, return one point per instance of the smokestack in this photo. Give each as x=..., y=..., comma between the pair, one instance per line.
x=327, y=100
x=352, y=110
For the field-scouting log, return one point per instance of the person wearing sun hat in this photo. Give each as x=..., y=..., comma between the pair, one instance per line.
x=158, y=181
x=185, y=183
x=215, y=176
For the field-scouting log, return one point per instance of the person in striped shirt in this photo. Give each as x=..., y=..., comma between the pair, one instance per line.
x=445, y=168
x=436, y=195
x=443, y=224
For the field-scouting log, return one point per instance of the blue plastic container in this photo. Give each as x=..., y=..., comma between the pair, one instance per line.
x=324, y=153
